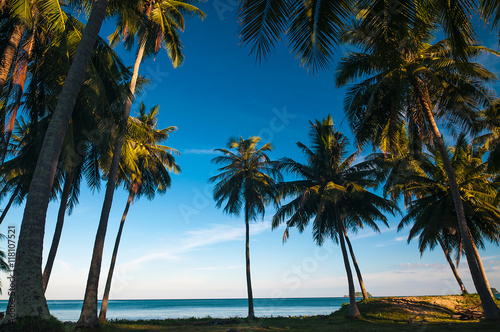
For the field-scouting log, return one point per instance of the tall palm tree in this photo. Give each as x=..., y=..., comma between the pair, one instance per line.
x=144, y=170
x=246, y=180
x=431, y=211
x=413, y=81
x=162, y=20
x=331, y=192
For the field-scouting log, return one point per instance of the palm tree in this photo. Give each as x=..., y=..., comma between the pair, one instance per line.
x=314, y=28
x=246, y=180
x=431, y=210
x=331, y=192
x=412, y=81
x=29, y=296
x=81, y=150
x=162, y=22
x=144, y=171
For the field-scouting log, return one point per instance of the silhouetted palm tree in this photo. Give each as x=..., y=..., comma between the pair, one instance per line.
x=331, y=192
x=405, y=79
x=144, y=170
x=245, y=182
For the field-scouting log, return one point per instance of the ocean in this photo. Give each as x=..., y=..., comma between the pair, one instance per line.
x=69, y=310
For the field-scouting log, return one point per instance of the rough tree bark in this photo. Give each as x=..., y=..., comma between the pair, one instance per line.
x=29, y=297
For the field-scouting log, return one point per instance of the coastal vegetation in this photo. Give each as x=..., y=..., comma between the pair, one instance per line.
x=405, y=90
x=429, y=313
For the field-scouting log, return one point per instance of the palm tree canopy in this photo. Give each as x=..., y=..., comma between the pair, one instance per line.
x=145, y=164
x=431, y=210
x=330, y=190
x=246, y=178
x=156, y=24
x=391, y=70
x=314, y=28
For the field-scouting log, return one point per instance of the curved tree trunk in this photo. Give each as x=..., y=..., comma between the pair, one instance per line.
x=9, y=53
x=356, y=267
x=481, y=267
x=29, y=295
x=353, y=306
x=59, y=226
x=452, y=266
x=11, y=200
x=491, y=310
x=88, y=316
x=104, y=304
x=251, y=314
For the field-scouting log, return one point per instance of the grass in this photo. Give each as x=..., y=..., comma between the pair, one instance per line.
x=398, y=314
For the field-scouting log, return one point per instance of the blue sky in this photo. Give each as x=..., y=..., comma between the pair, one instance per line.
x=180, y=245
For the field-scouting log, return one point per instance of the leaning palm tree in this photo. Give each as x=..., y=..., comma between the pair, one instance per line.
x=29, y=296
x=331, y=192
x=246, y=181
x=159, y=22
x=406, y=79
x=144, y=170
x=430, y=209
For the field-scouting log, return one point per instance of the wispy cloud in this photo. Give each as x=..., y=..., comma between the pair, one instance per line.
x=197, y=239
x=64, y=265
x=200, y=151
x=218, y=268
x=369, y=234
x=400, y=238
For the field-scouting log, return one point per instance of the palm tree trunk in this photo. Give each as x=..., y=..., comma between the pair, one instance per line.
x=452, y=266
x=59, y=226
x=19, y=79
x=104, y=304
x=356, y=267
x=9, y=53
x=251, y=314
x=481, y=267
x=491, y=310
x=353, y=306
x=88, y=316
x=11, y=200
x=29, y=295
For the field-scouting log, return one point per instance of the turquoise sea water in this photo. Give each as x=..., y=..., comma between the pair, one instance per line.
x=69, y=310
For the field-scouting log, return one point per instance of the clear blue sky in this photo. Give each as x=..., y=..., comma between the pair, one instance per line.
x=180, y=245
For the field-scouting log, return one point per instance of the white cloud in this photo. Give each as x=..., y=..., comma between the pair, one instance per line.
x=400, y=238
x=64, y=265
x=196, y=239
